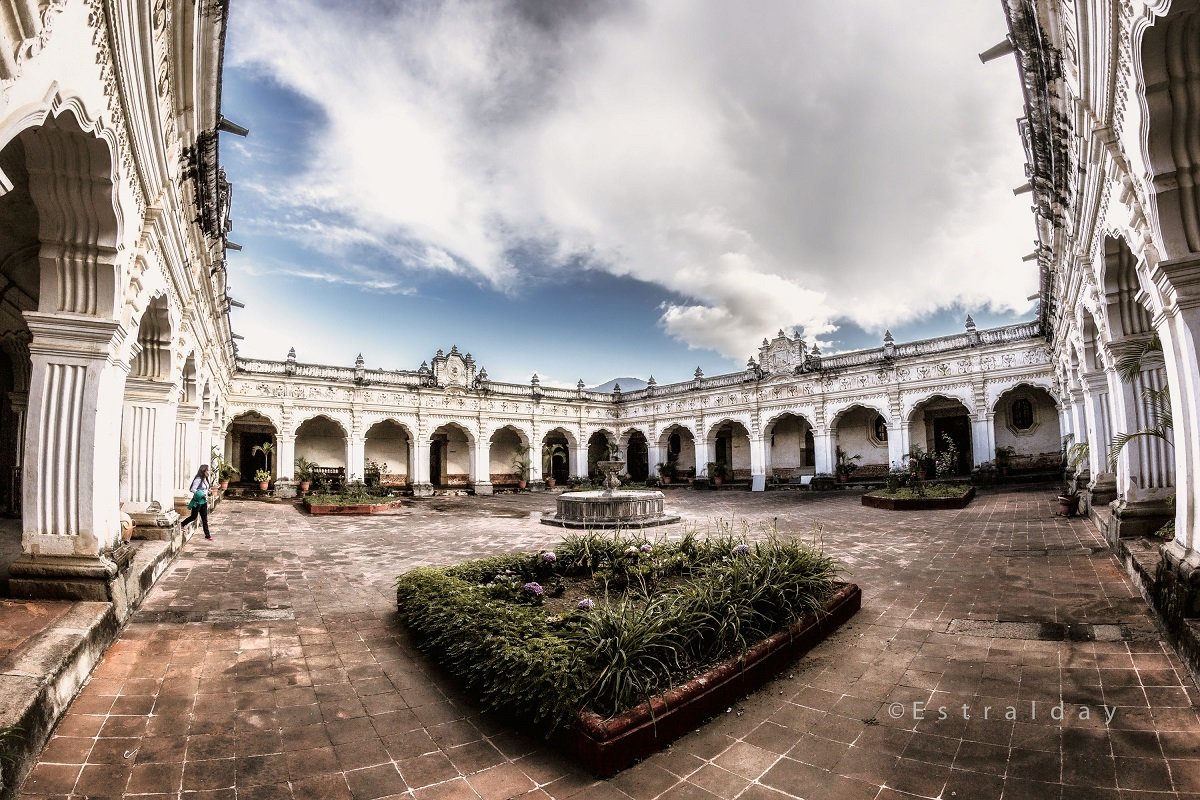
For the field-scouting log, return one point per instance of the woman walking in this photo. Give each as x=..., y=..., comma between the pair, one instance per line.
x=199, y=502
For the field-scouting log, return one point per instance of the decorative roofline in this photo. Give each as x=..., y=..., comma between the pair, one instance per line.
x=423, y=378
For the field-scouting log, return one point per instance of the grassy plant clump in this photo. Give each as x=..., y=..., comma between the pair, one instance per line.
x=606, y=621
x=10, y=742
x=927, y=490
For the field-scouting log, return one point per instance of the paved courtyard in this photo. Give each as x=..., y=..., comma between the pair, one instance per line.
x=269, y=664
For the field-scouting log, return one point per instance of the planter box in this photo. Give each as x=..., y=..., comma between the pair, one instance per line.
x=919, y=503
x=607, y=746
x=361, y=509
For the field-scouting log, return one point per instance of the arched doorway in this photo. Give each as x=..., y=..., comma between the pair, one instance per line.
x=860, y=432
x=323, y=441
x=729, y=446
x=149, y=419
x=791, y=450
x=388, y=447
x=509, y=459
x=599, y=446
x=1026, y=421
x=450, y=448
x=556, y=455
x=678, y=447
x=937, y=419
x=247, y=431
x=637, y=455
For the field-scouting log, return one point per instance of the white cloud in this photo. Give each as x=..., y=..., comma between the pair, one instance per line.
x=778, y=167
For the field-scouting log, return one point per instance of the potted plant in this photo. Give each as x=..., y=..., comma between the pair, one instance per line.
x=304, y=472
x=717, y=472
x=264, y=479
x=666, y=471
x=1068, y=501
x=845, y=465
x=520, y=466
x=1004, y=459
x=920, y=463
x=549, y=453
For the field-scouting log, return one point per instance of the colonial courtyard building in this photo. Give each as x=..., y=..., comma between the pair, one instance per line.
x=118, y=373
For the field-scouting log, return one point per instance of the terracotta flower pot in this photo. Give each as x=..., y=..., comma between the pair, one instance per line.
x=1068, y=505
x=304, y=485
x=550, y=483
x=224, y=484
x=262, y=486
x=521, y=484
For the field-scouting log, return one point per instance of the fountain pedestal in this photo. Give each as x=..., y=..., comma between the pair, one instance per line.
x=611, y=507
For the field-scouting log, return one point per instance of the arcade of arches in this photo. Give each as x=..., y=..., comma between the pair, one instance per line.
x=118, y=373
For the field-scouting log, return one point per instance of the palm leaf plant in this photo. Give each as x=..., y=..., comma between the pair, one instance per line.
x=266, y=448
x=1131, y=361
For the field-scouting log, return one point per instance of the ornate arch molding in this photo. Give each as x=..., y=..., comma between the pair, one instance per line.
x=665, y=432
x=1123, y=284
x=1166, y=39
x=371, y=419
x=835, y=411
x=996, y=391
x=778, y=414
x=303, y=415
x=73, y=186
x=32, y=32
x=963, y=395
x=740, y=419
x=588, y=432
x=567, y=433
x=523, y=434
x=234, y=411
x=437, y=423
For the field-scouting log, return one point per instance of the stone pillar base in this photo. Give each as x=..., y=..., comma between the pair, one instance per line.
x=285, y=489
x=1103, y=488
x=758, y=483
x=1140, y=519
x=97, y=579
x=422, y=490
x=483, y=487
x=155, y=525
x=1176, y=589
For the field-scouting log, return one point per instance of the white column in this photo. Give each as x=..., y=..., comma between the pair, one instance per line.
x=420, y=463
x=285, y=455
x=654, y=454
x=983, y=438
x=70, y=474
x=758, y=464
x=481, y=458
x=149, y=438
x=702, y=456
x=1179, y=329
x=823, y=442
x=578, y=456
x=897, y=443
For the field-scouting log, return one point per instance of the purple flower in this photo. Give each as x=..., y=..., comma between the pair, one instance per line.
x=742, y=550
x=535, y=588
x=646, y=548
x=549, y=557
x=586, y=604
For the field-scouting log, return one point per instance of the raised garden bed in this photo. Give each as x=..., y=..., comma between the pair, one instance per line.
x=607, y=746
x=906, y=502
x=613, y=646
x=351, y=509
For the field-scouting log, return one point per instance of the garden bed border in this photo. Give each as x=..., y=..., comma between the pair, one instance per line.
x=360, y=509
x=607, y=746
x=919, y=503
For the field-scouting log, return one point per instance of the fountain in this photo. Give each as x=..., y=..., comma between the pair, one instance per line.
x=612, y=506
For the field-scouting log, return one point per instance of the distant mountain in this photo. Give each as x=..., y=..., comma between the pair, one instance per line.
x=627, y=385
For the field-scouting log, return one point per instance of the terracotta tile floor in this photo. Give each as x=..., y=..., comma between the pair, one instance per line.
x=268, y=664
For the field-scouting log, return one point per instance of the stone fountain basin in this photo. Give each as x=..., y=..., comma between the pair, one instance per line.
x=621, y=508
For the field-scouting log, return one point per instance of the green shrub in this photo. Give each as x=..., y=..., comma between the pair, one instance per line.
x=481, y=621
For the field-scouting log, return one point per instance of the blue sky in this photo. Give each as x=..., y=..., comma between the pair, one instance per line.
x=618, y=188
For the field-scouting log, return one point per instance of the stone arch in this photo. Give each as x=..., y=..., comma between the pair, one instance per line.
x=1170, y=77
x=942, y=414
x=1026, y=419
x=322, y=438
x=451, y=455
x=1121, y=285
x=390, y=442
x=556, y=461
x=857, y=431
x=634, y=445
x=835, y=411
x=248, y=428
x=677, y=443
x=153, y=358
x=790, y=445
x=598, y=443
x=510, y=457
x=729, y=445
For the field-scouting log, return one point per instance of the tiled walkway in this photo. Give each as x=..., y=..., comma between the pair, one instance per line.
x=268, y=664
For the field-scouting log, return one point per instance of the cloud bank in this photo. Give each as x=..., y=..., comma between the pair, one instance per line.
x=775, y=165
